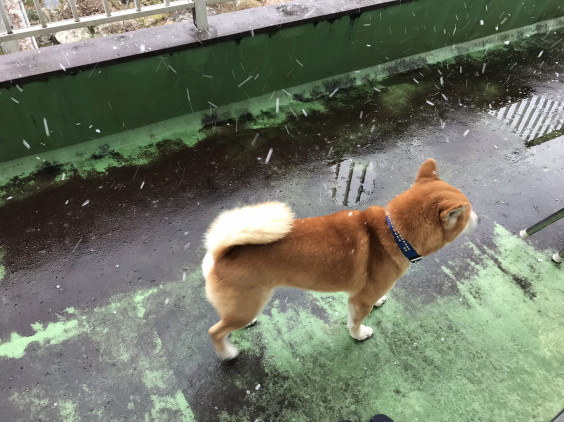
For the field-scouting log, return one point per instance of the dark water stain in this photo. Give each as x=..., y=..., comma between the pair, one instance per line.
x=486, y=246
x=519, y=281
x=225, y=387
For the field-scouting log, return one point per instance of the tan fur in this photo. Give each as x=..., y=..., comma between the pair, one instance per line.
x=254, y=225
x=253, y=250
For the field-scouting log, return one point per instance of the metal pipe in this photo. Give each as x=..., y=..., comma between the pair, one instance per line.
x=542, y=224
x=86, y=21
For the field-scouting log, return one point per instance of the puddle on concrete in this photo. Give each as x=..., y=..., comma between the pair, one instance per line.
x=353, y=182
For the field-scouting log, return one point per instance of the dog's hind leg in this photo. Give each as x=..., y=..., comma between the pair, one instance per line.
x=359, y=308
x=237, y=310
x=252, y=323
x=218, y=334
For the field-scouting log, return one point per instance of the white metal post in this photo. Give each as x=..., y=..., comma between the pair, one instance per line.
x=40, y=13
x=6, y=25
x=5, y=18
x=74, y=11
x=107, y=8
x=200, y=15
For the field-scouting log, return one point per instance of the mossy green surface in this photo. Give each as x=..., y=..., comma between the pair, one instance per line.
x=490, y=352
x=394, y=97
x=132, y=375
x=53, y=333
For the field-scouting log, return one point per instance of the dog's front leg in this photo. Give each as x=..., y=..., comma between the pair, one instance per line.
x=358, y=310
x=380, y=301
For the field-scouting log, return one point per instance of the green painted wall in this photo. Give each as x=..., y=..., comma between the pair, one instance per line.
x=110, y=99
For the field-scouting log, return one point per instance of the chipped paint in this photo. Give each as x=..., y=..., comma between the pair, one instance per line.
x=53, y=333
x=479, y=351
x=114, y=330
x=173, y=403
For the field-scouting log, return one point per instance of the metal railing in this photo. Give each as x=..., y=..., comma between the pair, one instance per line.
x=8, y=33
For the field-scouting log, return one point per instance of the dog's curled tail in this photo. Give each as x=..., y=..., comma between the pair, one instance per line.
x=252, y=225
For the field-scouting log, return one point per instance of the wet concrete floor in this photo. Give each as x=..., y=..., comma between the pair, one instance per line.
x=103, y=310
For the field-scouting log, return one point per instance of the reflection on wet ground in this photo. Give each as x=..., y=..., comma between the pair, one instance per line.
x=536, y=119
x=352, y=180
x=102, y=287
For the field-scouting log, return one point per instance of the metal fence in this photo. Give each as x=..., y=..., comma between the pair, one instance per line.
x=9, y=32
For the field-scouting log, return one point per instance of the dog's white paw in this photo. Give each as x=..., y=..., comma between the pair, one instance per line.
x=253, y=322
x=362, y=333
x=229, y=352
x=381, y=301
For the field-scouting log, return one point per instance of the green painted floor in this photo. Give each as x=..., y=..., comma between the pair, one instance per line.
x=103, y=307
x=482, y=354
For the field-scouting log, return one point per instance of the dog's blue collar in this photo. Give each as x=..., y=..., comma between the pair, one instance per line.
x=403, y=244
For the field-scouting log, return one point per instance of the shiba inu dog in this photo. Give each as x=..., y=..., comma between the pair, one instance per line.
x=253, y=250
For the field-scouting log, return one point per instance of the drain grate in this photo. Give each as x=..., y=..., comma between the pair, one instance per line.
x=536, y=119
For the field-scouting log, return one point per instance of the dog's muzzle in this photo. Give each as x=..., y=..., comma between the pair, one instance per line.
x=472, y=223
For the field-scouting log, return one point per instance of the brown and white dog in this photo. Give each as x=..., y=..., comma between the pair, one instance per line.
x=253, y=250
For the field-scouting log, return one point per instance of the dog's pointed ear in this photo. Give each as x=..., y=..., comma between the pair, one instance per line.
x=427, y=172
x=450, y=214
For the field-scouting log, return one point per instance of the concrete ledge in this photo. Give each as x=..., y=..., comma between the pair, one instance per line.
x=71, y=58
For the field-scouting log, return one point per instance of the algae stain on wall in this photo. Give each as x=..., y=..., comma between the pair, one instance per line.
x=489, y=350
